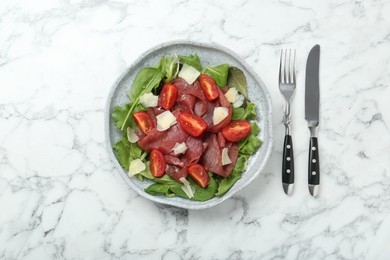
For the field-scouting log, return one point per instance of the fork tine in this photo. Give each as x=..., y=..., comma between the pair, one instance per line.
x=294, y=67
x=280, y=67
x=289, y=67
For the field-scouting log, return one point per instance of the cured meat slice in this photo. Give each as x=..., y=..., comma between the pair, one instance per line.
x=164, y=141
x=211, y=159
x=176, y=172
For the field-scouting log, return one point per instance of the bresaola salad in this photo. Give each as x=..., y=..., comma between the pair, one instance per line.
x=187, y=128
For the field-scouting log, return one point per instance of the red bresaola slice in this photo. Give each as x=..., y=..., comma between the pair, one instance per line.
x=164, y=141
x=208, y=117
x=170, y=159
x=221, y=140
x=176, y=172
x=185, y=102
x=194, y=151
x=194, y=90
x=211, y=159
x=152, y=113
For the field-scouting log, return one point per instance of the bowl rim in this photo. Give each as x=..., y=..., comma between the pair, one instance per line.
x=166, y=201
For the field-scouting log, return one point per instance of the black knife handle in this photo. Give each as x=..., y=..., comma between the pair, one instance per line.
x=288, y=161
x=314, y=163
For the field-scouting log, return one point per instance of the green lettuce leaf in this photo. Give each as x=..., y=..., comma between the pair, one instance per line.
x=157, y=188
x=192, y=60
x=145, y=81
x=200, y=194
x=247, y=113
x=218, y=73
x=119, y=115
x=126, y=152
x=237, y=79
x=171, y=188
x=251, y=143
x=169, y=67
x=122, y=149
x=239, y=168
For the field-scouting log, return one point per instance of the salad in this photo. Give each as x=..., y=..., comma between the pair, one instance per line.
x=188, y=128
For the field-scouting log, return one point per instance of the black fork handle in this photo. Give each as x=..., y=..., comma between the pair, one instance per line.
x=288, y=161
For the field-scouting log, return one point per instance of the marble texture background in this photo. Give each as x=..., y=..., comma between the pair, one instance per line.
x=61, y=197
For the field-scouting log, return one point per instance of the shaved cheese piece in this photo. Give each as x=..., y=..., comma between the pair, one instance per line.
x=131, y=136
x=232, y=95
x=187, y=187
x=165, y=120
x=220, y=113
x=136, y=166
x=239, y=101
x=225, y=157
x=189, y=73
x=149, y=100
x=180, y=148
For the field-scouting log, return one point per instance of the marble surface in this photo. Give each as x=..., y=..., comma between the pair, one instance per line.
x=61, y=197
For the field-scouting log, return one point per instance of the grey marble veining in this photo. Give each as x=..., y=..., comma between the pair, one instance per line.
x=60, y=196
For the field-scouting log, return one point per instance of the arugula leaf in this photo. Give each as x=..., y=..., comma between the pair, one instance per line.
x=251, y=143
x=120, y=112
x=167, y=186
x=169, y=67
x=146, y=173
x=218, y=73
x=200, y=194
x=144, y=82
x=192, y=60
x=247, y=113
x=239, y=168
x=119, y=115
x=157, y=188
x=122, y=149
x=126, y=152
x=237, y=79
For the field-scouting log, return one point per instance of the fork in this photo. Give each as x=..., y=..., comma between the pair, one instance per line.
x=287, y=85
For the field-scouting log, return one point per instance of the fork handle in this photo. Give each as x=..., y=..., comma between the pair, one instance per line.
x=288, y=161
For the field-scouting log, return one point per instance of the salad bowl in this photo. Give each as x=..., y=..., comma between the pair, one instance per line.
x=211, y=54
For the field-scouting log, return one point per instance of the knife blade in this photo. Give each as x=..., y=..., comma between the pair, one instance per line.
x=312, y=115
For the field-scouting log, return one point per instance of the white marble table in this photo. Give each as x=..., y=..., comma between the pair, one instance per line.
x=60, y=196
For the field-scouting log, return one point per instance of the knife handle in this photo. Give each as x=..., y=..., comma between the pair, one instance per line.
x=314, y=163
x=288, y=161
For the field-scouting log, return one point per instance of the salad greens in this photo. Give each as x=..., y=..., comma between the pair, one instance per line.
x=192, y=60
x=149, y=80
x=145, y=81
x=237, y=79
x=219, y=74
x=169, y=67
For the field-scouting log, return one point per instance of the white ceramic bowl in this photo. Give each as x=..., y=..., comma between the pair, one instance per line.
x=210, y=54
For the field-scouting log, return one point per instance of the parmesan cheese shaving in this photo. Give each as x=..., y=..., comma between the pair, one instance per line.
x=187, y=187
x=179, y=148
x=220, y=113
x=136, y=166
x=149, y=100
x=131, y=136
x=225, y=157
x=189, y=73
x=165, y=120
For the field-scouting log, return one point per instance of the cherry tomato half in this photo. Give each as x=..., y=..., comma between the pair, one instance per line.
x=236, y=130
x=209, y=87
x=144, y=121
x=192, y=124
x=157, y=163
x=199, y=174
x=168, y=96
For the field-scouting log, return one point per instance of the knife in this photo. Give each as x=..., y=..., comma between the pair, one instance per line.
x=312, y=115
